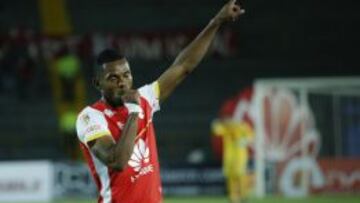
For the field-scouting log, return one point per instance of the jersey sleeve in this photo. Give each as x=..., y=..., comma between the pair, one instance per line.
x=90, y=125
x=151, y=93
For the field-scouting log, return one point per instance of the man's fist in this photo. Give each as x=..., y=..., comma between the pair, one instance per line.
x=131, y=96
x=230, y=11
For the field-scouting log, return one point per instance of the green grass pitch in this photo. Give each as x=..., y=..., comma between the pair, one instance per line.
x=319, y=199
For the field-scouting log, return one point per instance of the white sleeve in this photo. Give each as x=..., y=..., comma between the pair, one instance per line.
x=151, y=93
x=90, y=125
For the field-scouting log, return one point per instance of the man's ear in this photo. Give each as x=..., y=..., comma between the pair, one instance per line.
x=96, y=82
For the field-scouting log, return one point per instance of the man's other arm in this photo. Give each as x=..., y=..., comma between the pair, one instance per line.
x=117, y=155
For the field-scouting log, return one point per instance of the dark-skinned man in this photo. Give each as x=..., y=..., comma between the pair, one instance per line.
x=116, y=133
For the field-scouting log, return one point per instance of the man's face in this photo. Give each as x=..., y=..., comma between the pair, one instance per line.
x=115, y=79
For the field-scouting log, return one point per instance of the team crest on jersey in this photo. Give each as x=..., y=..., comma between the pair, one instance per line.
x=85, y=118
x=140, y=160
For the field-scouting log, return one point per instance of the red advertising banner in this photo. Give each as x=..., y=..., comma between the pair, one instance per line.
x=341, y=175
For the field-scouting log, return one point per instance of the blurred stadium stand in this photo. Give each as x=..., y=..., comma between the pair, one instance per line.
x=275, y=39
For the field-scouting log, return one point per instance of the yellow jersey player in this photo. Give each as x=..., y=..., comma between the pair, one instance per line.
x=236, y=136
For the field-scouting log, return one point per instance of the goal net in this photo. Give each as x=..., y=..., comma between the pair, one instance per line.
x=299, y=123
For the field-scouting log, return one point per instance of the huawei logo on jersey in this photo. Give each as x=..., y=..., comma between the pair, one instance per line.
x=139, y=160
x=140, y=156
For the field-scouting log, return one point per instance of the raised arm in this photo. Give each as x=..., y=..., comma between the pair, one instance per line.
x=191, y=56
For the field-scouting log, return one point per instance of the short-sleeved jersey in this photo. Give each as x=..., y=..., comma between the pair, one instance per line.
x=139, y=181
x=235, y=141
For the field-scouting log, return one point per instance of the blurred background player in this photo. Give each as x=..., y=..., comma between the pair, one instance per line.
x=236, y=135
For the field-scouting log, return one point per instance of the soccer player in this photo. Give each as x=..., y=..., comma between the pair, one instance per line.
x=116, y=133
x=236, y=136
x=234, y=127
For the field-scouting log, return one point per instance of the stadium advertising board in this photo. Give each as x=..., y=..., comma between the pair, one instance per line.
x=289, y=139
x=192, y=181
x=141, y=45
x=341, y=176
x=26, y=181
x=74, y=180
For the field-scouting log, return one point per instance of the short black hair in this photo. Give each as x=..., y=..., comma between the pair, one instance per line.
x=108, y=55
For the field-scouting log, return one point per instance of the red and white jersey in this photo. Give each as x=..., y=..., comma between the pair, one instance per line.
x=140, y=180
